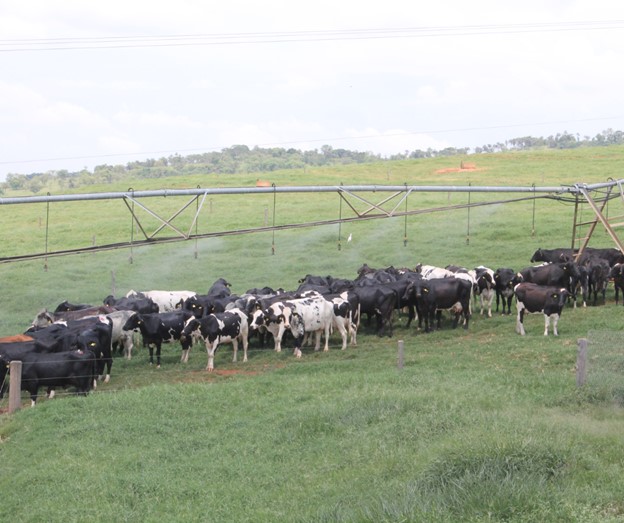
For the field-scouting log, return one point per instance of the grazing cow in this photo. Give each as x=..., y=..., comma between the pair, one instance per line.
x=505, y=280
x=617, y=275
x=66, y=306
x=45, y=318
x=167, y=301
x=133, y=303
x=565, y=275
x=548, y=300
x=433, y=296
x=159, y=328
x=314, y=315
x=485, y=288
x=61, y=369
x=553, y=255
x=222, y=327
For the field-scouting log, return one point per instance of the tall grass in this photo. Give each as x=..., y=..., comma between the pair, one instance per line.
x=479, y=425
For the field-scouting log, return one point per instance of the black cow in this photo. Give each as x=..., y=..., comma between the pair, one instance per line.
x=62, y=369
x=220, y=288
x=553, y=255
x=377, y=300
x=617, y=274
x=548, y=300
x=225, y=327
x=158, y=328
x=598, y=272
x=433, y=296
x=92, y=333
x=66, y=306
x=612, y=255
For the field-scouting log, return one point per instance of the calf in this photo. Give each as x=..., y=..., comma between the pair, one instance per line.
x=159, y=328
x=224, y=327
x=598, y=271
x=548, y=300
x=485, y=288
x=505, y=280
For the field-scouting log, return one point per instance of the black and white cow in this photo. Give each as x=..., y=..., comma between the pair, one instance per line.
x=159, y=328
x=74, y=368
x=505, y=279
x=533, y=298
x=566, y=275
x=222, y=327
x=485, y=288
x=275, y=319
x=314, y=315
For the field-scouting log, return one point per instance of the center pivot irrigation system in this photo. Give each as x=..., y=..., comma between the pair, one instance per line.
x=378, y=201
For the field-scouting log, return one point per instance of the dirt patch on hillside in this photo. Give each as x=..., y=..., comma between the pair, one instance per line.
x=463, y=167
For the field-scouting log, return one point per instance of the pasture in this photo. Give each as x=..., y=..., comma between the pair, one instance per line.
x=479, y=425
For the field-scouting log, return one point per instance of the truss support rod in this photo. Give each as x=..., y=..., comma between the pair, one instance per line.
x=372, y=206
x=165, y=222
x=601, y=218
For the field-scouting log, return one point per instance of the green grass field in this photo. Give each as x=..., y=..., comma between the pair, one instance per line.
x=479, y=425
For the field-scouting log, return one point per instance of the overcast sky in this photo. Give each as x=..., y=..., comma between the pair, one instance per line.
x=90, y=83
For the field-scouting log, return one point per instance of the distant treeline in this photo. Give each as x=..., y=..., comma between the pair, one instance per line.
x=240, y=158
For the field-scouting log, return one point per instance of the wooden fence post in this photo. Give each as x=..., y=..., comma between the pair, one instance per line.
x=15, y=386
x=401, y=356
x=581, y=362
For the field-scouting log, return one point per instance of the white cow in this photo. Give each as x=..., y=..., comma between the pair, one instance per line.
x=167, y=301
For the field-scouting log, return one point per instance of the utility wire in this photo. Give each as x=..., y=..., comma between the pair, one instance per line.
x=134, y=41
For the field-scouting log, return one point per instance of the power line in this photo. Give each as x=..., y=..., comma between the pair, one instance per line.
x=135, y=41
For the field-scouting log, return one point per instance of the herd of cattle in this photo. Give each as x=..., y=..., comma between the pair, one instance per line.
x=74, y=345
